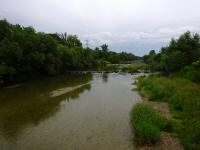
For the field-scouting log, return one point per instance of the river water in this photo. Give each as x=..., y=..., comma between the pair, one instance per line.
x=85, y=112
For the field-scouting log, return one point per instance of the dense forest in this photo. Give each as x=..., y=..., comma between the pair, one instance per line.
x=181, y=56
x=25, y=53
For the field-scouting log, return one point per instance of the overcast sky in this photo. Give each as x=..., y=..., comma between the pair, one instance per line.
x=135, y=26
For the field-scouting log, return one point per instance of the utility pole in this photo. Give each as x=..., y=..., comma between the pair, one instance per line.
x=87, y=43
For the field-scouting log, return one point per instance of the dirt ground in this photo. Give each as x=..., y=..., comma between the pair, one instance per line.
x=167, y=142
x=162, y=107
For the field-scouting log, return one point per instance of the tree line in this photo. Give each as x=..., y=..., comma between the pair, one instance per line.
x=25, y=53
x=179, y=62
x=182, y=56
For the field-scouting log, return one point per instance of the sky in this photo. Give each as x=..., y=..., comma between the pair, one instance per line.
x=136, y=26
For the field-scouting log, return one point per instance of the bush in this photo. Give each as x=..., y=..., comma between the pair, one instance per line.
x=147, y=124
x=147, y=133
x=192, y=72
x=154, y=89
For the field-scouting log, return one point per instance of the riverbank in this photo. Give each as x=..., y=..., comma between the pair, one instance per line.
x=154, y=132
x=177, y=99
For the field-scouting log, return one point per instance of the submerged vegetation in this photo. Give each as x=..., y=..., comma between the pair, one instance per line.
x=25, y=53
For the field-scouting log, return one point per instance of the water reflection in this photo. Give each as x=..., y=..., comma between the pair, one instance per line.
x=30, y=103
x=105, y=77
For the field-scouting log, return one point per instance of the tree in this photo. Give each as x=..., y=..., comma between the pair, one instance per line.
x=10, y=52
x=181, y=52
x=25, y=53
x=73, y=41
x=173, y=62
x=104, y=47
x=3, y=71
x=5, y=30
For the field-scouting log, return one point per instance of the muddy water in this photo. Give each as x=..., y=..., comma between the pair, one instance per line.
x=94, y=116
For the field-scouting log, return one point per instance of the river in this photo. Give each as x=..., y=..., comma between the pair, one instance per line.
x=77, y=112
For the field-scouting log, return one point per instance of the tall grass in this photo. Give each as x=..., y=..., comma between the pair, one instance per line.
x=184, y=99
x=147, y=124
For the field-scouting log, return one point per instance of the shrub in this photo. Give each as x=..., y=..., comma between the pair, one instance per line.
x=147, y=133
x=147, y=124
x=156, y=89
x=192, y=72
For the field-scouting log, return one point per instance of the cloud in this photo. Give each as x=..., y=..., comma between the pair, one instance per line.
x=132, y=25
x=138, y=41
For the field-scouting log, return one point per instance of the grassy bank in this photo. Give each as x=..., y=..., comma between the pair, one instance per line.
x=184, y=99
x=147, y=124
x=133, y=68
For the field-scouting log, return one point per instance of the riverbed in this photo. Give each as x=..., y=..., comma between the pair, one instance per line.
x=86, y=112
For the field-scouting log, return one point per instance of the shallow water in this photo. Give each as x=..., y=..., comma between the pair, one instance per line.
x=94, y=116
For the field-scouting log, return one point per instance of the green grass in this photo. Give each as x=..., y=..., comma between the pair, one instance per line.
x=110, y=68
x=147, y=124
x=184, y=99
x=133, y=68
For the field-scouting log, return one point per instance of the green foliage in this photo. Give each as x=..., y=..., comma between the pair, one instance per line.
x=24, y=53
x=191, y=72
x=5, y=31
x=147, y=124
x=181, y=59
x=133, y=68
x=159, y=92
x=101, y=65
x=146, y=133
x=113, y=57
x=73, y=41
x=152, y=60
x=104, y=47
x=183, y=97
x=180, y=53
x=3, y=71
